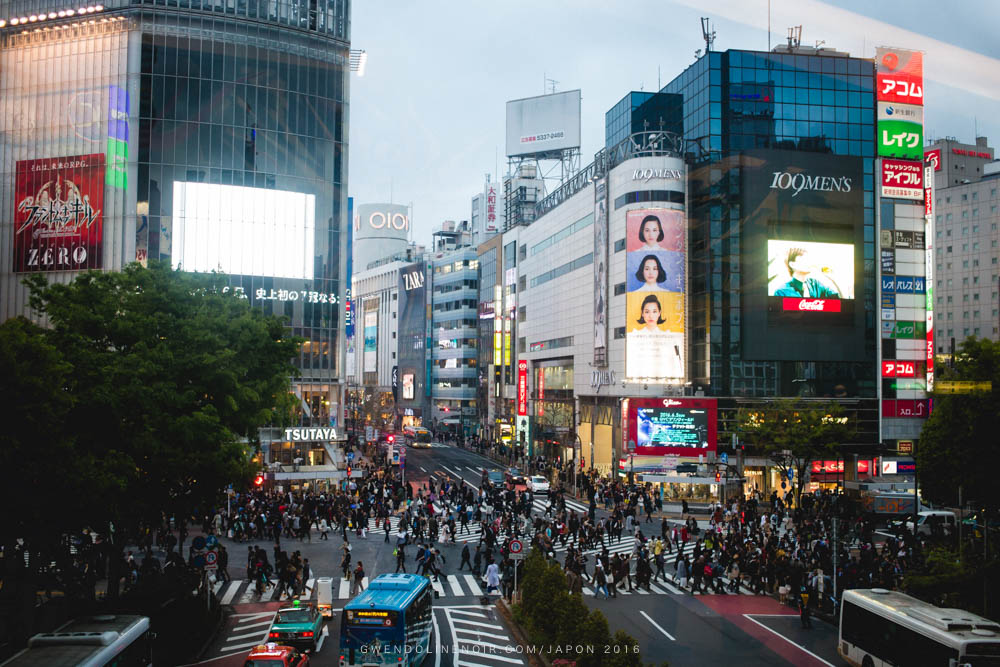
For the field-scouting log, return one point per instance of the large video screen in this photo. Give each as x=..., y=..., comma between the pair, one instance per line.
x=809, y=270
x=672, y=427
x=244, y=231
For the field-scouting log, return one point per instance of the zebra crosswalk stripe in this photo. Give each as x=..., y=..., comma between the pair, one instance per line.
x=470, y=581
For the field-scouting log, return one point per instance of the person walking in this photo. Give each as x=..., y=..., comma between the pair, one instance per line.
x=804, y=613
x=359, y=578
x=492, y=577
x=345, y=561
x=478, y=561
x=600, y=581
x=401, y=558
x=466, y=555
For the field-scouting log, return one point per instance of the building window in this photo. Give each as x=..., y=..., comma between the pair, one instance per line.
x=620, y=243
x=619, y=289
x=619, y=332
x=522, y=313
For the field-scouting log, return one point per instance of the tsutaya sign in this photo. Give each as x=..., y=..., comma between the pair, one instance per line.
x=310, y=434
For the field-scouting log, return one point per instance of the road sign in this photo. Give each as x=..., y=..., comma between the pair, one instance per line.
x=198, y=542
x=350, y=456
x=724, y=457
x=211, y=541
x=516, y=549
x=211, y=558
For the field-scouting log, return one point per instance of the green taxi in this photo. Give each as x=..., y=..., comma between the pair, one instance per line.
x=298, y=624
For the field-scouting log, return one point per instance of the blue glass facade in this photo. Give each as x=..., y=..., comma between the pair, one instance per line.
x=737, y=101
x=641, y=111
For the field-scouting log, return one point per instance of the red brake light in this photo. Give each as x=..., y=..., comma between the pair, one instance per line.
x=307, y=634
x=273, y=635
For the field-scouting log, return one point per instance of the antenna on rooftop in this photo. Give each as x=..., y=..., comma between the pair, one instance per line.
x=794, y=36
x=550, y=86
x=707, y=33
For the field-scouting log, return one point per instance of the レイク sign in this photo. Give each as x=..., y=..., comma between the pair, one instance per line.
x=818, y=305
x=522, y=387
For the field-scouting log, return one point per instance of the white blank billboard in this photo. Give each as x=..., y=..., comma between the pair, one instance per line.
x=544, y=123
x=244, y=231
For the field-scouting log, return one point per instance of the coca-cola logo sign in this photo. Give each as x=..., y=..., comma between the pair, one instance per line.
x=796, y=183
x=811, y=305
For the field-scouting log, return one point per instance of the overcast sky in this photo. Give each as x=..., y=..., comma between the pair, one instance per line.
x=427, y=118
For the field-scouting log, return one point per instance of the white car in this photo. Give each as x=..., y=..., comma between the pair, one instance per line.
x=537, y=484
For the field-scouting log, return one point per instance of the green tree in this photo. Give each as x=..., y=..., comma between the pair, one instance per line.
x=167, y=376
x=960, y=436
x=792, y=433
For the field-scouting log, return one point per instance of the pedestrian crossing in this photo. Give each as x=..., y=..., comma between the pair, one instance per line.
x=243, y=591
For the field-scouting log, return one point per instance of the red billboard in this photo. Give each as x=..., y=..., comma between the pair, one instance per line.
x=933, y=156
x=900, y=76
x=675, y=426
x=920, y=407
x=522, y=387
x=902, y=179
x=58, y=213
x=899, y=369
x=814, y=305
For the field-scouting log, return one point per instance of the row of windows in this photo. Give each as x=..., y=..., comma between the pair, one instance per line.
x=671, y=196
x=792, y=78
x=457, y=362
x=789, y=61
x=965, y=297
x=564, y=233
x=457, y=265
x=455, y=287
x=552, y=344
x=965, y=196
x=324, y=16
x=965, y=230
x=563, y=270
x=448, y=325
x=458, y=304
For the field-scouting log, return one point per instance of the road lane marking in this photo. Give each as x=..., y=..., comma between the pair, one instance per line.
x=242, y=627
x=438, y=587
x=345, y=589
x=236, y=648
x=256, y=614
x=244, y=636
x=471, y=612
x=230, y=593
x=470, y=581
x=666, y=634
x=798, y=646
x=455, y=588
x=437, y=640
x=423, y=469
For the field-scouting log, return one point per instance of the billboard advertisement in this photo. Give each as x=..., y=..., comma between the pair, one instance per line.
x=899, y=92
x=243, y=231
x=59, y=213
x=601, y=271
x=371, y=337
x=412, y=334
x=543, y=124
x=801, y=249
x=672, y=426
x=522, y=387
x=656, y=247
x=902, y=179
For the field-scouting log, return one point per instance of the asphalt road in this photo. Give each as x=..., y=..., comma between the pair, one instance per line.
x=669, y=623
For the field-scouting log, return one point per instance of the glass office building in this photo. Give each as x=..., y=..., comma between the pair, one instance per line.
x=208, y=133
x=455, y=340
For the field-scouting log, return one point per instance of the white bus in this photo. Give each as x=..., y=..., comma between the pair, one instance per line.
x=880, y=627
x=93, y=641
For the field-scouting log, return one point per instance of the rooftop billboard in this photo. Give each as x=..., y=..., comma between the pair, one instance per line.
x=543, y=124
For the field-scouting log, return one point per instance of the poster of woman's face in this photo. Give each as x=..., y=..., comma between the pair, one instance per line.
x=661, y=270
x=653, y=230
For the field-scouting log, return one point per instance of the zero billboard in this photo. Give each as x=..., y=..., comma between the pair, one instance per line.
x=655, y=306
x=543, y=124
x=801, y=248
x=59, y=213
x=672, y=426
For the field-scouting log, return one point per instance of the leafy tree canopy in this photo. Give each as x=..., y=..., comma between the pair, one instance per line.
x=793, y=433
x=147, y=389
x=960, y=437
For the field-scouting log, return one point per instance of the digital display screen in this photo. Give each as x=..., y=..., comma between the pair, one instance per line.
x=810, y=270
x=672, y=427
x=243, y=231
x=408, y=386
x=370, y=617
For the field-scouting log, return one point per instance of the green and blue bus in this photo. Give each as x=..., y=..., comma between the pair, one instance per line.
x=390, y=623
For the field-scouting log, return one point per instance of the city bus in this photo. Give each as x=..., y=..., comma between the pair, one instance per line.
x=417, y=436
x=881, y=627
x=389, y=623
x=94, y=641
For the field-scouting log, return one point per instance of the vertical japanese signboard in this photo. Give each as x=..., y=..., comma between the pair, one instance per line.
x=491, y=209
x=58, y=214
x=929, y=266
x=899, y=92
x=522, y=387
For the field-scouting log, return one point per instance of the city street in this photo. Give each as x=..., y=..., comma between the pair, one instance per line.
x=669, y=623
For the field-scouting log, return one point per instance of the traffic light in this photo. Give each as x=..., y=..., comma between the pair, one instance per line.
x=348, y=472
x=258, y=480
x=718, y=476
x=390, y=438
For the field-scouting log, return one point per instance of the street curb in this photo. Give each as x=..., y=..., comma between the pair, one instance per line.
x=220, y=621
x=535, y=659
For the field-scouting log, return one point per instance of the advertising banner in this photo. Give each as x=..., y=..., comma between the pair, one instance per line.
x=933, y=157
x=601, y=271
x=655, y=260
x=672, y=426
x=899, y=87
x=371, y=339
x=929, y=272
x=59, y=214
x=412, y=335
x=801, y=252
x=522, y=387
x=902, y=179
x=888, y=261
x=543, y=124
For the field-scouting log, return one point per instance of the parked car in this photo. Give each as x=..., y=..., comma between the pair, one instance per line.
x=537, y=484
